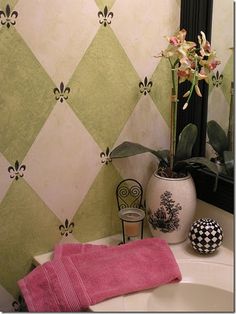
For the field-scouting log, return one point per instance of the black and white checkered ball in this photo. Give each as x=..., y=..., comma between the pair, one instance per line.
x=206, y=235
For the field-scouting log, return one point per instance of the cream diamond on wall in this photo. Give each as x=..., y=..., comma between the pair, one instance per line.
x=6, y=300
x=63, y=162
x=70, y=238
x=147, y=127
x=145, y=29
x=58, y=32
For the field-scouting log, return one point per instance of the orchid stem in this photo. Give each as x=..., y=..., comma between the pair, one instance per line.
x=193, y=84
x=173, y=117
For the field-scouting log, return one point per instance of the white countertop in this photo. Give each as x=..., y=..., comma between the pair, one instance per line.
x=181, y=251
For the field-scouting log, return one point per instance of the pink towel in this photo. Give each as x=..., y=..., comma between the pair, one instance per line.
x=72, y=283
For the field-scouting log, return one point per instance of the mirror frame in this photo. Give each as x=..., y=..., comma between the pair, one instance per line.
x=196, y=16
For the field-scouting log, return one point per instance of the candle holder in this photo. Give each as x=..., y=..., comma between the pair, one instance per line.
x=129, y=194
x=132, y=223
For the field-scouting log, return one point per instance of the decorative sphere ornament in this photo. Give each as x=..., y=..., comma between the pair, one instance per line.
x=206, y=235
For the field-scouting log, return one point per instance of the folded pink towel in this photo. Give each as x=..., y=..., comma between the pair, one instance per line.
x=72, y=283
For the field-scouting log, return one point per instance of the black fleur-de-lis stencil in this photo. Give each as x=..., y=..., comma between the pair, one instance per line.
x=105, y=157
x=16, y=171
x=217, y=79
x=66, y=228
x=61, y=92
x=145, y=86
x=8, y=18
x=19, y=305
x=105, y=16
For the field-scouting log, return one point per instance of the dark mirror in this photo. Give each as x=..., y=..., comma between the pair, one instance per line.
x=213, y=113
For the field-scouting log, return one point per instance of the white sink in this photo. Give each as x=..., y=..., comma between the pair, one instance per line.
x=205, y=287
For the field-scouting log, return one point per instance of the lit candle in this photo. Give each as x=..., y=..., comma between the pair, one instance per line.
x=132, y=229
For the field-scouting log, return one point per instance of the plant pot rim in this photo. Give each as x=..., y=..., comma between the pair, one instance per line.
x=188, y=176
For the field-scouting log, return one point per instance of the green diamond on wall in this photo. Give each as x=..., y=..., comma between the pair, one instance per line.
x=11, y=3
x=104, y=88
x=102, y=3
x=26, y=97
x=97, y=217
x=28, y=228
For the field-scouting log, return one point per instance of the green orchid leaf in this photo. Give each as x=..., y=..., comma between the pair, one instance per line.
x=217, y=137
x=229, y=162
x=163, y=155
x=202, y=161
x=128, y=149
x=187, y=139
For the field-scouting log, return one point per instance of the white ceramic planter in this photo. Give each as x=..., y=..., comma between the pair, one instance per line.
x=171, y=205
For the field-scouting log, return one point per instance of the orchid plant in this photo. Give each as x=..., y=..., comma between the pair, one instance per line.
x=192, y=62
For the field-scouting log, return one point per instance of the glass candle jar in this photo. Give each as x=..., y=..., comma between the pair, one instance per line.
x=132, y=223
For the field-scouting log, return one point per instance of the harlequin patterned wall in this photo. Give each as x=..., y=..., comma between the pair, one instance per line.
x=77, y=78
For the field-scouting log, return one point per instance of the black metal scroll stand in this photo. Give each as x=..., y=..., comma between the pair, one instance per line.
x=129, y=194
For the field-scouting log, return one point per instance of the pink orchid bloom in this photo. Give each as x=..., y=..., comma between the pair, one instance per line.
x=180, y=51
x=174, y=41
x=182, y=35
x=186, y=48
x=204, y=74
x=191, y=63
x=184, y=73
x=205, y=47
x=178, y=39
x=211, y=63
x=186, y=61
x=178, y=45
